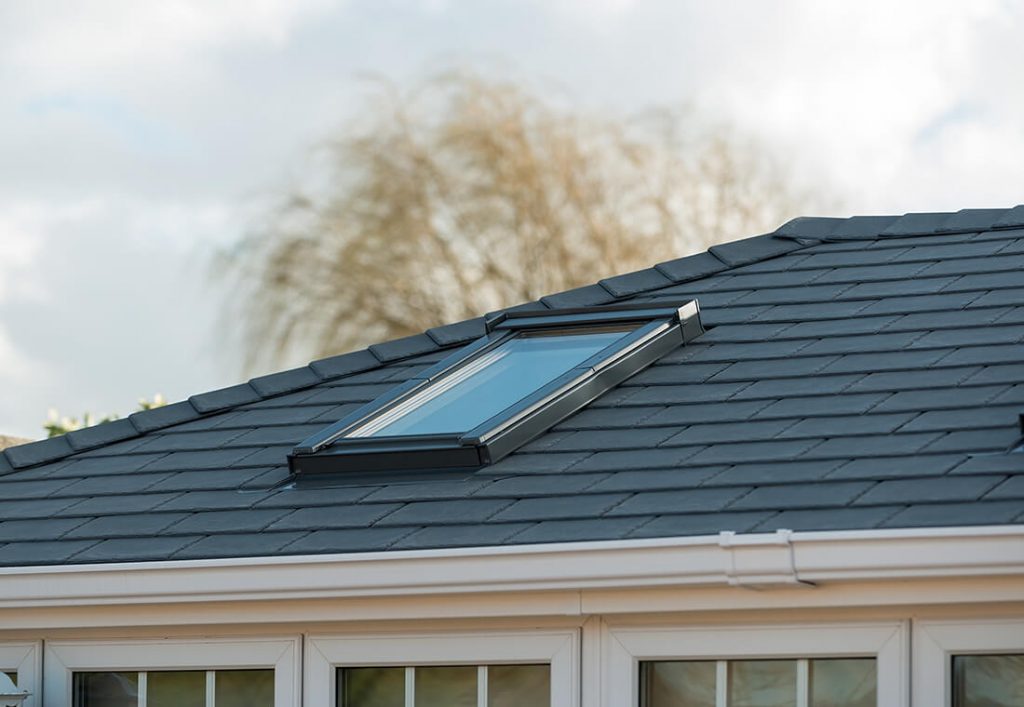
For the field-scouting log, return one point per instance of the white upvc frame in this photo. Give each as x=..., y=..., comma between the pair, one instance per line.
x=624, y=648
x=936, y=642
x=559, y=648
x=64, y=658
x=26, y=659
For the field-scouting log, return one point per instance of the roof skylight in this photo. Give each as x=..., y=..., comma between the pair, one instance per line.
x=528, y=372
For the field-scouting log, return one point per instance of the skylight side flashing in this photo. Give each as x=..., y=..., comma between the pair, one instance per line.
x=357, y=445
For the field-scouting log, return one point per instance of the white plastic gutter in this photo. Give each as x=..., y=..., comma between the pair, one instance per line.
x=757, y=560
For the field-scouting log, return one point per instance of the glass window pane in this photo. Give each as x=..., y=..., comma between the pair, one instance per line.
x=177, y=688
x=518, y=686
x=762, y=683
x=490, y=383
x=105, y=689
x=446, y=687
x=679, y=684
x=371, y=687
x=843, y=682
x=244, y=688
x=12, y=675
x=988, y=680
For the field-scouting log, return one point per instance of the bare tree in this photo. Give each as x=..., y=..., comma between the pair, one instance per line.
x=466, y=195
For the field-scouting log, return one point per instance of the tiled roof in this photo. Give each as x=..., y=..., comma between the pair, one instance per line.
x=856, y=373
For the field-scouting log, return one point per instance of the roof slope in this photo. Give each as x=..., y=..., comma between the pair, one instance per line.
x=857, y=373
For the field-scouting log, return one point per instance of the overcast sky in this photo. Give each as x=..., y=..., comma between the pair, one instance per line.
x=136, y=137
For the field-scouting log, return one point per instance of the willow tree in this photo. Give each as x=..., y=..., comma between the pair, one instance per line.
x=465, y=195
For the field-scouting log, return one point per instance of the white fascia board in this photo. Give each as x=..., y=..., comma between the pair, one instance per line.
x=779, y=559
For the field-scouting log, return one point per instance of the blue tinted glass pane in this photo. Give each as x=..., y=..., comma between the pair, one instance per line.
x=492, y=382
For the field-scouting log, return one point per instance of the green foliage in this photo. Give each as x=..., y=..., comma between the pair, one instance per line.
x=56, y=425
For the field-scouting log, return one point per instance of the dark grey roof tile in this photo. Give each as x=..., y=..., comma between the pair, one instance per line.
x=1012, y=487
x=761, y=370
x=1008, y=279
x=187, y=441
x=41, y=553
x=237, y=545
x=558, y=507
x=728, y=432
x=551, y=531
x=830, y=518
x=648, y=480
x=757, y=473
x=991, y=416
x=718, y=316
x=914, y=223
x=943, y=488
x=445, y=512
x=236, y=521
x=1012, y=462
x=164, y=416
x=546, y=463
x=922, y=303
x=426, y=490
x=992, y=439
x=211, y=500
x=900, y=381
x=810, y=227
x=732, y=352
x=739, y=452
x=539, y=485
x=749, y=250
x=938, y=398
x=744, y=333
x=973, y=220
x=298, y=414
x=887, y=361
x=821, y=405
x=403, y=348
x=636, y=459
x=127, y=525
x=113, y=484
x=34, y=508
x=224, y=398
x=803, y=294
x=673, y=394
x=878, y=445
x=5, y=466
x=459, y=332
x=285, y=381
x=632, y=438
x=635, y=282
x=347, y=516
x=45, y=450
x=1011, y=263
x=344, y=364
x=1008, y=373
x=691, y=524
x=973, y=336
x=895, y=290
x=863, y=226
x=869, y=273
x=461, y=536
x=104, y=433
x=853, y=258
x=1011, y=218
x=208, y=459
x=691, y=267
x=126, y=464
x=839, y=327
x=844, y=425
x=586, y=296
x=898, y=467
x=806, y=385
x=335, y=395
x=956, y=514
x=30, y=530
x=272, y=435
x=17, y=487
x=121, y=503
x=347, y=540
x=608, y=418
x=305, y=497
x=704, y=413
x=264, y=478
x=809, y=495
x=696, y=500
x=133, y=549
x=675, y=375
x=998, y=353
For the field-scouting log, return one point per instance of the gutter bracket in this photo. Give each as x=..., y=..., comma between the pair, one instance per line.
x=786, y=575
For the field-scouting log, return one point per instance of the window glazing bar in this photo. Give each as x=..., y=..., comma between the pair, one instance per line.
x=722, y=683
x=410, y=687
x=143, y=688
x=211, y=688
x=803, y=683
x=481, y=686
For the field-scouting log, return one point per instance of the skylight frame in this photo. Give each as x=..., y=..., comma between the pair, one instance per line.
x=659, y=329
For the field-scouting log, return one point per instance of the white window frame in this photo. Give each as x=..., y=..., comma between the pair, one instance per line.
x=64, y=658
x=936, y=642
x=624, y=648
x=559, y=648
x=24, y=658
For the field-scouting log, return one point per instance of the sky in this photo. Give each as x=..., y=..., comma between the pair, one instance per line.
x=138, y=138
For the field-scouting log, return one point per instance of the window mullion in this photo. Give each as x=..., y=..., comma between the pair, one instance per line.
x=803, y=686
x=410, y=687
x=481, y=686
x=143, y=689
x=722, y=684
x=211, y=688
